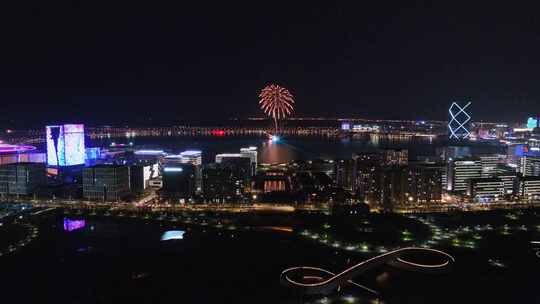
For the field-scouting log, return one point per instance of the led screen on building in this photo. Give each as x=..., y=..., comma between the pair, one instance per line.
x=65, y=145
x=532, y=123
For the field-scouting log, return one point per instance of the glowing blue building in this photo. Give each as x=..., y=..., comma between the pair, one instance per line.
x=458, y=125
x=65, y=145
x=533, y=122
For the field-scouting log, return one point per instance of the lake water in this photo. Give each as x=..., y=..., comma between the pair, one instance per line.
x=288, y=149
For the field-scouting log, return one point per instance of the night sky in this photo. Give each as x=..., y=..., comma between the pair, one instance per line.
x=143, y=62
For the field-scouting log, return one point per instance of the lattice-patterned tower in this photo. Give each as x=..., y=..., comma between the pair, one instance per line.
x=458, y=125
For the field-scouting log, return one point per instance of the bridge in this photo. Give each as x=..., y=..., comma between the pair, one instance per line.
x=318, y=281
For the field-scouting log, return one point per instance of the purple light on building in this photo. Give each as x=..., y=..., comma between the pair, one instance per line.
x=6, y=148
x=70, y=225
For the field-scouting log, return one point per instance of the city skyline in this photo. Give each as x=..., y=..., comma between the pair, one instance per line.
x=269, y=152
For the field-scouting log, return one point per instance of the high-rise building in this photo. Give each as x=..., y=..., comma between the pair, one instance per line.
x=485, y=189
x=65, y=145
x=179, y=181
x=344, y=173
x=458, y=125
x=509, y=176
x=460, y=171
x=425, y=184
x=530, y=166
x=367, y=176
x=529, y=188
x=224, y=182
x=141, y=174
x=193, y=157
x=106, y=182
x=394, y=187
x=251, y=152
x=398, y=157
x=22, y=178
x=490, y=164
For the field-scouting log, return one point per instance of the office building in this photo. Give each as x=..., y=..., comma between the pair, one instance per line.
x=22, y=178
x=509, y=176
x=106, y=182
x=515, y=152
x=141, y=174
x=529, y=188
x=192, y=157
x=65, y=145
x=367, y=173
x=239, y=160
x=459, y=121
x=394, y=187
x=396, y=157
x=179, y=181
x=344, y=174
x=490, y=164
x=251, y=152
x=224, y=182
x=460, y=171
x=425, y=184
x=485, y=190
x=530, y=165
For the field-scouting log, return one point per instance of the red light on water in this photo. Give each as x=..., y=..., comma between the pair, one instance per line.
x=218, y=132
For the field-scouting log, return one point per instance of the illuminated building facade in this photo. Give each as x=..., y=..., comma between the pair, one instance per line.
x=140, y=176
x=65, y=145
x=11, y=154
x=460, y=171
x=509, y=176
x=530, y=165
x=485, y=190
x=22, y=178
x=251, y=152
x=367, y=173
x=533, y=122
x=106, y=182
x=490, y=164
x=458, y=125
x=398, y=157
x=529, y=188
x=515, y=152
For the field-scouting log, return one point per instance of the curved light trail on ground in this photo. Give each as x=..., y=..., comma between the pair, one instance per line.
x=312, y=280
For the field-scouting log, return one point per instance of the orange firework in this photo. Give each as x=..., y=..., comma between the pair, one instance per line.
x=276, y=102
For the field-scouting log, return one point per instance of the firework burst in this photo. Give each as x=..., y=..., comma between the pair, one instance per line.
x=276, y=102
